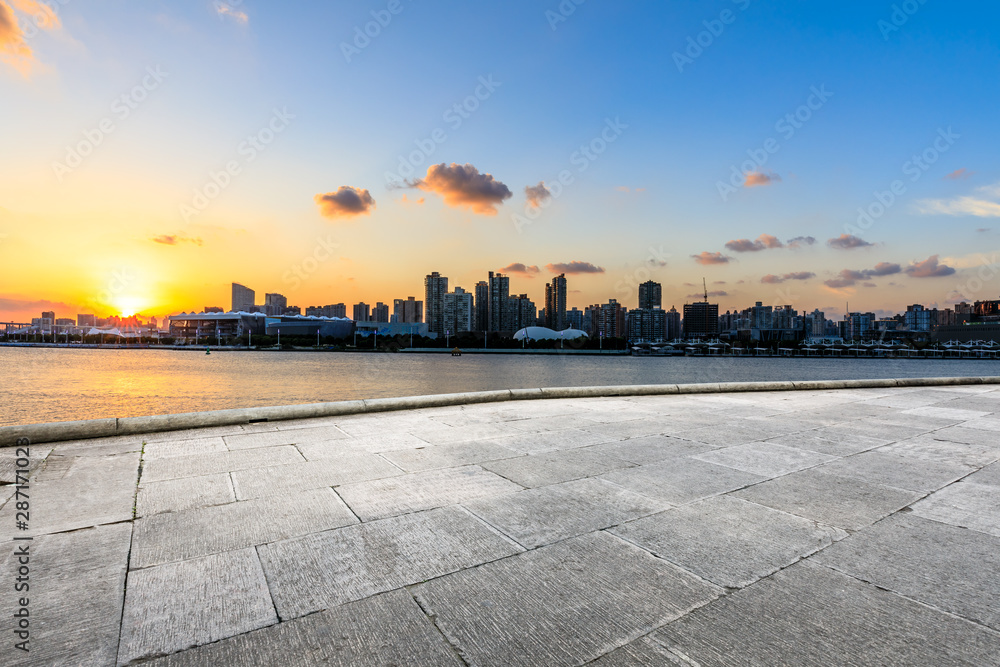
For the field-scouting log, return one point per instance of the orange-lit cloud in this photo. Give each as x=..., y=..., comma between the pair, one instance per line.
x=418, y=201
x=462, y=186
x=574, y=267
x=758, y=178
x=848, y=242
x=346, y=202
x=707, y=258
x=173, y=239
x=959, y=174
x=800, y=241
x=849, y=277
x=763, y=242
x=929, y=268
x=797, y=275
x=14, y=50
x=710, y=294
x=522, y=269
x=536, y=194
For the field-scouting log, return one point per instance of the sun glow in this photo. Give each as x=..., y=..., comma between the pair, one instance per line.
x=128, y=305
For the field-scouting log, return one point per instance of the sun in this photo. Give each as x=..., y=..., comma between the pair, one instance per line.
x=128, y=305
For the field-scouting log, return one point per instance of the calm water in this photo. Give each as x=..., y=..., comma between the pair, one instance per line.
x=49, y=384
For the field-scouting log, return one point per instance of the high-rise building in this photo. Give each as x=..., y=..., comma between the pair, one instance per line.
x=555, y=303
x=918, y=318
x=362, y=312
x=673, y=324
x=647, y=324
x=482, y=305
x=380, y=313
x=275, y=304
x=333, y=310
x=650, y=294
x=701, y=320
x=522, y=312
x=459, y=311
x=574, y=319
x=85, y=320
x=435, y=287
x=858, y=325
x=408, y=310
x=243, y=298
x=608, y=320
x=817, y=327
x=499, y=293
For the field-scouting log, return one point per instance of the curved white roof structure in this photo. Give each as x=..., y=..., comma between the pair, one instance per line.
x=544, y=333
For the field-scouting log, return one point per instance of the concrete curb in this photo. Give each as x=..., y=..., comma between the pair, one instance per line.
x=102, y=428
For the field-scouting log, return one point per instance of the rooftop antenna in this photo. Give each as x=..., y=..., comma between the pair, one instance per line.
x=705, y=285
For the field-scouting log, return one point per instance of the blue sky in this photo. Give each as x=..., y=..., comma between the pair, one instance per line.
x=893, y=83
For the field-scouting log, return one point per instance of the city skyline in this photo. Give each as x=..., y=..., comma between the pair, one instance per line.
x=623, y=143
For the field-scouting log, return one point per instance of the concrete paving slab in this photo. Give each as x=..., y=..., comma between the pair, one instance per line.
x=162, y=538
x=833, y=444
x=649, y=449
x=902, y=472
x=609, y=593
x=965, y=504
x=553, y=467
x=331, y=568
x=810, y=615
x=983, y=424
x=157, y=470
x=283, y=437
x=839, y=501
x=185, y=493
x=388, y=629
x=547, y=441
x=728, y=541
x=373, y=444
x=641, y=653
x=304, y=475
x=97, y=446
x=903, y=554
x=681, y=480
x=167, y=448
x=93, y=491
x=969, y=436
x=764, y=458
x=989, y=475
x=731, y=433
x=9, y=457
x=176, y=606
x=442, y=434
x=548, y=423
x=77, y=584
x=379, y=499
x=432, y=457
x=192, y=433
x=559, y=511
x=866, y=428
x=930, y=448
x=949, y=413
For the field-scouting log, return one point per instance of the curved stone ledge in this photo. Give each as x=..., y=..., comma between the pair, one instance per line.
x=101, y=428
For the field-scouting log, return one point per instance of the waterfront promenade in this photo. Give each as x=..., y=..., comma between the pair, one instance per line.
x=815, y=527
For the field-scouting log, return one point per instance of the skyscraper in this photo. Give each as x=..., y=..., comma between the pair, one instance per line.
x=435, y=287
x=650, y=294
x=380, y=312
x=499, y=311
x=361, y=312
x=522, y=312
x=673, y=331
x=555, y=303
x=701, y=320
x=408, y=310
x=482, y=305
x=243, y=298
x=458, y=311
x=275, y=304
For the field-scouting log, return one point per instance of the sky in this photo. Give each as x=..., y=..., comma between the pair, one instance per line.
x=803, y=153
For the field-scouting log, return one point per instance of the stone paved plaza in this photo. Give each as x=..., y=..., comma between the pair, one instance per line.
x=844, y=527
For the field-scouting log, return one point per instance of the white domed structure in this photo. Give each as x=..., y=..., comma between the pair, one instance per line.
x=544, y=333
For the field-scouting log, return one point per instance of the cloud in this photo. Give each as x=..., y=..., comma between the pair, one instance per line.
x=14, y=50
x=848, y=242
x=797, y=275
x=848, y=277
x=759, y=178
x=574, y=267
x=958, y=174
x=763, y=242
x=462, y=186
x=710, y=294
x=173, y=239
x=982, y=205
x=800, y=241
x=719, y=282
x=346, y=202
x=983, y=229
x=707, y=258
x=225, y=11
x=419, y=200
x=518, y=267
x=929, y=268
x=866, y=284
x=536, y=194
